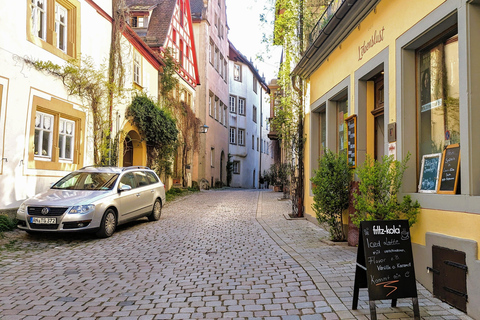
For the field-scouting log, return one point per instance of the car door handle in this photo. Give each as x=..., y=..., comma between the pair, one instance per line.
x=152, y=191
x=138, y=194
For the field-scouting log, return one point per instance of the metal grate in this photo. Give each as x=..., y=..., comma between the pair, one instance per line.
x=52, y=211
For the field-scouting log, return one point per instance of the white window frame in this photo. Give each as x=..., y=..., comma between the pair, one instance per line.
x=233, y=135
x=39, y=18
x=233, y=104
x=41, y=129
x=241, y=137
x=61, y=26
x=137, y=68
x=65, y=133
x=241, y=106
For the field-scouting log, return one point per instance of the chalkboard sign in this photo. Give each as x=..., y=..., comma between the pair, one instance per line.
x=385, y=263
x=450, y=169
x=351, y=123
x=429, y=173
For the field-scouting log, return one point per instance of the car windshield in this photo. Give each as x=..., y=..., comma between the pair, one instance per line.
x=87, y=181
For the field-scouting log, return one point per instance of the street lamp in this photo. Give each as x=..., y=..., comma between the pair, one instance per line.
x=204, y=128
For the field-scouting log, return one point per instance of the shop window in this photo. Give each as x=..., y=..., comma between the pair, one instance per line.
x=52, y=26
x=438, y=88
x=342, y=114
x=323, y=132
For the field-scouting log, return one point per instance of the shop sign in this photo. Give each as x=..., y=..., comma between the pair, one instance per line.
x=376, y=38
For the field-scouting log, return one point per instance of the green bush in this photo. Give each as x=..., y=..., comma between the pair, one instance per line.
x=377, y=197
x=7, y=224
x=331, y=191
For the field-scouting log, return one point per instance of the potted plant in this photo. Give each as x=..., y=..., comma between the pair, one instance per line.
x=378, y=189
x=331, y=192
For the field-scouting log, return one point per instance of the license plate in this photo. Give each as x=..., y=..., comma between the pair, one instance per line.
x=42, y=220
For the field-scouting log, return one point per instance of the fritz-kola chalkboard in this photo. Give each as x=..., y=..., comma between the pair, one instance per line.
x=450, y=169
x=351, y=123
x=429, y=173
x=385, y=264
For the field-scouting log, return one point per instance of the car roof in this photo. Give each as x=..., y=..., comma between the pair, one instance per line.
x=111, y=169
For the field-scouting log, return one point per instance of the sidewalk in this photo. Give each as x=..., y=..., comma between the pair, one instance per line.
x=332, y=268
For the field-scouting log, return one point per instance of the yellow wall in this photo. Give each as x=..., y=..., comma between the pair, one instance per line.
x=438, y=221
x=394, y=17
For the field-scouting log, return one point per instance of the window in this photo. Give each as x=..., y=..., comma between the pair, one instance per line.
x=210, y=104
x=225, y=115
x=255, y=84
x=236, y=167
x=254, y=116
x=61, y=27
x=233, y=104
x=241, y=106
x=66, y=139
x=38, y=18
x=439, y=114
x=253, y=142
x=237, y=72
x=221, y=65
x=323, y=132
x=180, y=54
x=212, y=157
x=43, y=135
x=257, y=143
x=225, y=68
x=55, y=139
x=233, y=135
x=138, y=22
x=137, y=68
x=215, y=109
x=216, y=58
x=241, y=137
x=52, y=26
x=342, y=114
x=212, y=52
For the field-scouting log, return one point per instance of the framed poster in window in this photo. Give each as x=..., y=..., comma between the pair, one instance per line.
x=450, y=170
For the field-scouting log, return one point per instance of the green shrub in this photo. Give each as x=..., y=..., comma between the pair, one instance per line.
x=331, y=191
x=377, y=197
x=7, y=223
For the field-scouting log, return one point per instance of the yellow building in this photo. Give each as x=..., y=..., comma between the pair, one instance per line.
x=408, y=70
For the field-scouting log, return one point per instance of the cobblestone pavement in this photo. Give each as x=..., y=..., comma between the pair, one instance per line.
x=213, y=255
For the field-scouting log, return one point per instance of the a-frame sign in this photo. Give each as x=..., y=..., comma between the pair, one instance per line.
x=385, y=264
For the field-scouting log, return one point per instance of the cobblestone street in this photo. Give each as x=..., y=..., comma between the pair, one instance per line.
x=213, y=255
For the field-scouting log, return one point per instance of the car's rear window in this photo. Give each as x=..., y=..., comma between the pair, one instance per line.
x=87, y=181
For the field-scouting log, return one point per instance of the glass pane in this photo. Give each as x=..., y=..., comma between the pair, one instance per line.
x=61, y=142
x=38, y=120
x=46, y=143
x=439, y=93
x=47, y=122
x=342, y=114
x=37, y=142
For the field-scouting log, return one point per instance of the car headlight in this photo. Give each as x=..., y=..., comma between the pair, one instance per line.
x=22, y=209
x=82, y=209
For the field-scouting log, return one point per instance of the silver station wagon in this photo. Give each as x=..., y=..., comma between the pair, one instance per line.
x=94, y=199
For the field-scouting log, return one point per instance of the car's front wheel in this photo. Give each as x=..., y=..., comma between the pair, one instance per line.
x=108, y=225
x=156, y=212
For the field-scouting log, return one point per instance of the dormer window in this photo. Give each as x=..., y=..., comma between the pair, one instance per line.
x=138, y=22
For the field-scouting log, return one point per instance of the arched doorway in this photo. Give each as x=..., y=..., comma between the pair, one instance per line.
x=134, y=150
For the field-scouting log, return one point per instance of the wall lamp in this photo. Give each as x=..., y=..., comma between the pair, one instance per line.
x=203, y=129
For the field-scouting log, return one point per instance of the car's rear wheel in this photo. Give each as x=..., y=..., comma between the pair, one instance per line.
x=108, y=225
x=156, y=212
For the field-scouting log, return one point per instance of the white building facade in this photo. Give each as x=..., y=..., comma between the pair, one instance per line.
x=45, y=132
x=249, y=145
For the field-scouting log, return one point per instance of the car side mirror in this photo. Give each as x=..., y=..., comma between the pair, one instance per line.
x=125, y=187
